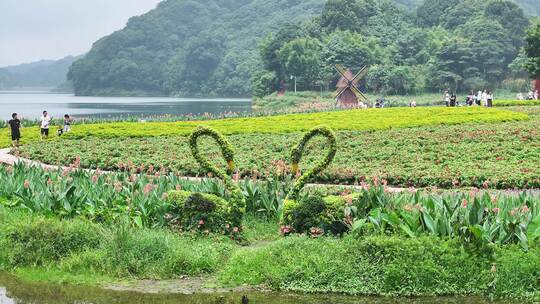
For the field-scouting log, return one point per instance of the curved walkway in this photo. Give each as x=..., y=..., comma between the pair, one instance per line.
x=9, y=159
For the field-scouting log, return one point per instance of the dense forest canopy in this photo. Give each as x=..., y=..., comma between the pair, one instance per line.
x=239, y=47
x=187, y=47
x=443, y=44
x=42, y=74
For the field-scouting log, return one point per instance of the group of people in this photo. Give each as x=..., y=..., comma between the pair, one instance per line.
x=15, y=127
x=484, y=98
x=531, y=96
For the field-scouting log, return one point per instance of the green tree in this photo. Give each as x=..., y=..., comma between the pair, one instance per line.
x=532, y=49
x=302, y=58
x=431, y=12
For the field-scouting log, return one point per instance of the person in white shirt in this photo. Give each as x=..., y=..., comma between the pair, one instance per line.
x=45, y=124
x=520, y=96
x=479, y=98
x=484, y=98
x=536, y=95
x=446, y=98
x=530, y=96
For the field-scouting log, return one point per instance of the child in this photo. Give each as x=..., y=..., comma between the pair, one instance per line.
x=15, y=127
x=67, y=123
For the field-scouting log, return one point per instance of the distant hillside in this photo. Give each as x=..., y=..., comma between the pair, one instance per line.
x=44, y=73
x=212, y=47
x=531, y=7
x=187, y=47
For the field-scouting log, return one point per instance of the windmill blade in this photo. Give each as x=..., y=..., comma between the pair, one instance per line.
x=363, y=72
x=358, y=92
x=341, y=70
x=340, y=92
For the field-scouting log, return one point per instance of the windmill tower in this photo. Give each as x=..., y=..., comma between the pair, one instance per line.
x=348, y=95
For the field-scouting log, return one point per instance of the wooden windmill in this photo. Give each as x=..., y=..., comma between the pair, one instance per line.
x=348, y=95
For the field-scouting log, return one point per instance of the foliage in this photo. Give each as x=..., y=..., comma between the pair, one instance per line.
x=315, y=215
x=76, y=246
x=235, y=207
x=371, y=119
x=298, y=151
x=391, y=266
x=466, y=44
x=532, y=49
x=186, y=48
x=505, y=155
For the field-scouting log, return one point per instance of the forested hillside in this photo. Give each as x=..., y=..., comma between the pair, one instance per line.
x=458, y=45
x=43, y=74
x=214, y=47
x=187, y=47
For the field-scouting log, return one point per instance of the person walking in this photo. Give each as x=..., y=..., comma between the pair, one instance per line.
x=15, y=130
x=45, y=124
x=535, y=95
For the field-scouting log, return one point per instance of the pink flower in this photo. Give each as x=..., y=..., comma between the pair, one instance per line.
x=285, y=230
x=485, y=185
x=236, y=229
x=26, y=184
x=117, y=186
x=464, y=203
x=49, y=182
x=524, y=209
x=165, y=195
x=95, y=178
x=9, y=169
x=148, y=188
x=178, y=187
x=201, y=222
x=496, y=210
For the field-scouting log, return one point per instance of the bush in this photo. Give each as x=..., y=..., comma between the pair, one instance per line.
x=201, y=212
x=156, y=254
x=36, y=241
x=315, y=215
x=381, y=265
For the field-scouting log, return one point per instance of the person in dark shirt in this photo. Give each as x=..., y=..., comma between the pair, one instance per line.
x=15, y=127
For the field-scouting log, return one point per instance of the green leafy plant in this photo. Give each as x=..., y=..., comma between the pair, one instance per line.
x=208, y=212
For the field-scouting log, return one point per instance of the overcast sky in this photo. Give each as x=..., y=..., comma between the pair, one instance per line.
x=31, y=30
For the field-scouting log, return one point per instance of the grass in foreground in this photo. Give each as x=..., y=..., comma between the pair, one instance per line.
x=374, y=265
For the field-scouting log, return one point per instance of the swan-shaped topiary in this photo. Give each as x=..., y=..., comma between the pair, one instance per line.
x=207, y=212
x=314, y=214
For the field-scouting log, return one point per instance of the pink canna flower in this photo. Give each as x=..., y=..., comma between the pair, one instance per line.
x=49, y=182
x=464, y=203
x=178, y=187
x=496, y=210
x=201, y=222
x=524, y=209
x=26, y=184
x=95, y=178
x=165, y=195
x=148, y=188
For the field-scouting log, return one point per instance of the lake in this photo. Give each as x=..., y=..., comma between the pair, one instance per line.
x=15, y=291
x=31, y=104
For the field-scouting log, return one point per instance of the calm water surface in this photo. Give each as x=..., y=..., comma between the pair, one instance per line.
x=14, y=291
x=31, y=104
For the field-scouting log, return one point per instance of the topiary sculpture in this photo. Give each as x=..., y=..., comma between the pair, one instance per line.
x=207, y=212
x=314, y=214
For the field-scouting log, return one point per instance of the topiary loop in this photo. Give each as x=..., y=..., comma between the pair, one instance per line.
x=298, y=151
x=237, y=203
